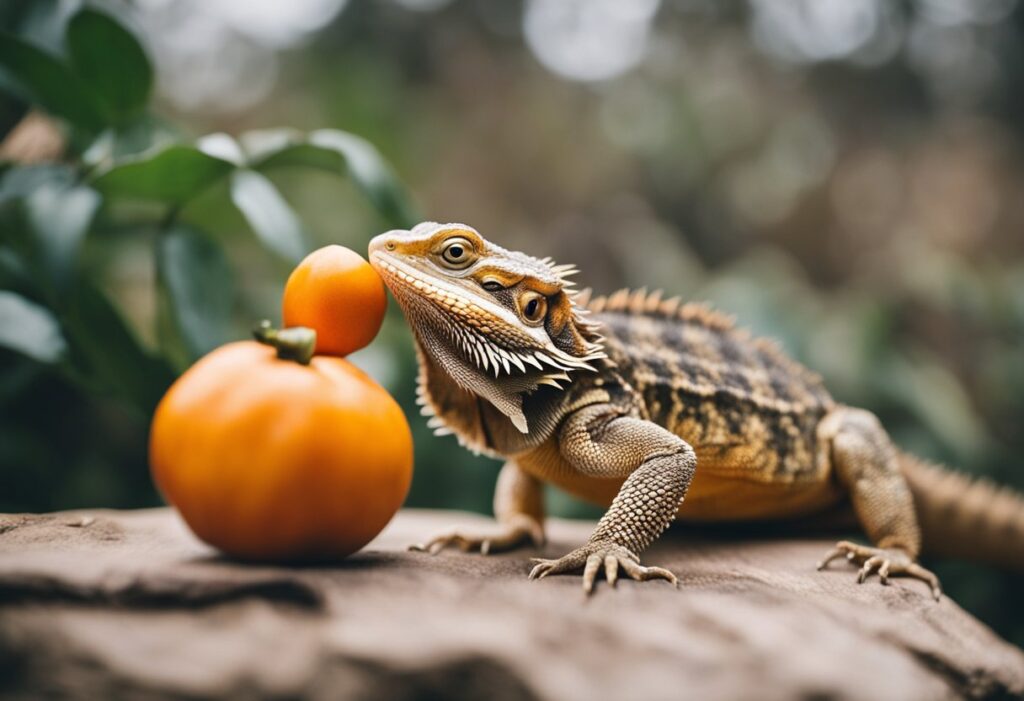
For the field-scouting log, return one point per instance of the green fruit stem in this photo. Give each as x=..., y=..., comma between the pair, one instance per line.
x=296, y=343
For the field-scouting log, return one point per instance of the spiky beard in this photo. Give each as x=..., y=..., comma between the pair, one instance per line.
x=549, y=363
x=481, y=366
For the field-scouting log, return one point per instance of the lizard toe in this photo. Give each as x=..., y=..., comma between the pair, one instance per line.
x=598, y=556
x=505, y=537
x=886, y=562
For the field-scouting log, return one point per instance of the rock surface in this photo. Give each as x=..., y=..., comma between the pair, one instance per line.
x=128, y=604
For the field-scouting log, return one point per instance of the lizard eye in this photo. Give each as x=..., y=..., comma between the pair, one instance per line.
x=457, y=253
x=533, y=307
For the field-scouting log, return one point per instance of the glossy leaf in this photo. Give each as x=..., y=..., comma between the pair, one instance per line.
x=339, y=152
x=44, y=216
x=197, y=284
x=371, y=172
x=111, y=62
x=22, y=181
x=41, y=22
x=269, y=215
x=30, y=329
x=147, y=134
x=48, y=82
x=171, y=175
x=222, y=146
x=60, y=216
x=14, y=274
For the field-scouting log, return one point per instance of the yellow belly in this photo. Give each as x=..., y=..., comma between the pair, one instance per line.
x=720, y=491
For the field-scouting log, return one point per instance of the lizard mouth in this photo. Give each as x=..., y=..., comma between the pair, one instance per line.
x=411, y=285
x=396, y=275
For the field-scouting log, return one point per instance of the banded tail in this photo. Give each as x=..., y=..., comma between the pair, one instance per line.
x=966, y=518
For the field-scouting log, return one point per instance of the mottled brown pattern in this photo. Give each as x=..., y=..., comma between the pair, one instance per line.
x=744, y=406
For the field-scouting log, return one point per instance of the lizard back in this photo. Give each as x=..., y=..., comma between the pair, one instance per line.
x=748, y=409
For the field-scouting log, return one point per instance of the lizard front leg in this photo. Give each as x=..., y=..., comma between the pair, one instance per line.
x=599, y=441
x=867, y=465
x=519, y=509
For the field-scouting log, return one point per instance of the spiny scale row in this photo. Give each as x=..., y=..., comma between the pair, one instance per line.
x=640, y=301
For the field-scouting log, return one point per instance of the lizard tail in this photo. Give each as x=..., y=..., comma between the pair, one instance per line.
x=966, y=518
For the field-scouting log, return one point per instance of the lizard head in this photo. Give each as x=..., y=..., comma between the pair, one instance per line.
x=499, y=323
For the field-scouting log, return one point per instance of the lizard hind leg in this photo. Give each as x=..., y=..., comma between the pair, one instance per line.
x=866, y=463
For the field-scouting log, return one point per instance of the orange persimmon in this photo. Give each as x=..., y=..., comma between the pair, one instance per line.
x=335, y=292
x=272, y=459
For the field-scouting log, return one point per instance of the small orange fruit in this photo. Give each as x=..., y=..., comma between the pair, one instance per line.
x=270, y=459
x=335, y=292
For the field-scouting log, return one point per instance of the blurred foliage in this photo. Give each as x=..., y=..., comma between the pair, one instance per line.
x=843, y=176
x=119, y=173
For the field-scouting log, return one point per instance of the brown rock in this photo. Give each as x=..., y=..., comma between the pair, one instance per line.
x=113, y=604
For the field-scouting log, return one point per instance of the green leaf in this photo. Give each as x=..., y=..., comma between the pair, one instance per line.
x=111, y=62
x=21, y=181
x=171, y=175
x=197, y=282
x=48, y=214
x=14, y=274
x=338, y=152
x=261, y=145
x=368, y=168
x=269, y=215
x=30, y=329
x=41, y=22
x=105, y=353
x=60, y=216
x=147, y=134
x=222, y=146
x=49, y=83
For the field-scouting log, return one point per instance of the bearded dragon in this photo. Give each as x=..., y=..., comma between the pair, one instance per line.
x=660, y=411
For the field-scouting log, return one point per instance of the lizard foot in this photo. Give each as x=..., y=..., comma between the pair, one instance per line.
x=592, y=556
x=884, y=561
x=507, y=536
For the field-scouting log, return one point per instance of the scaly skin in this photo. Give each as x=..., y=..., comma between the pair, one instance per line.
x=633, y=402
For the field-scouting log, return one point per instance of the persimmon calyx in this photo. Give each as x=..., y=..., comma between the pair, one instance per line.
x=296, y=343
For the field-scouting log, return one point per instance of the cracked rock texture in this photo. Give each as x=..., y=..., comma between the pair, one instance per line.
x=105, y=604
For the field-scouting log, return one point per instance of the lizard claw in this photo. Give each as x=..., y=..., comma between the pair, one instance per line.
x=884, y=561
x=508, y=536
x=593, y=557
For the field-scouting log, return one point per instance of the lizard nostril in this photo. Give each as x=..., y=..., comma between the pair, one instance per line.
x=390, y=245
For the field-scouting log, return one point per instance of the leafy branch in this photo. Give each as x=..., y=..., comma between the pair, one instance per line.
x=97, y=87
